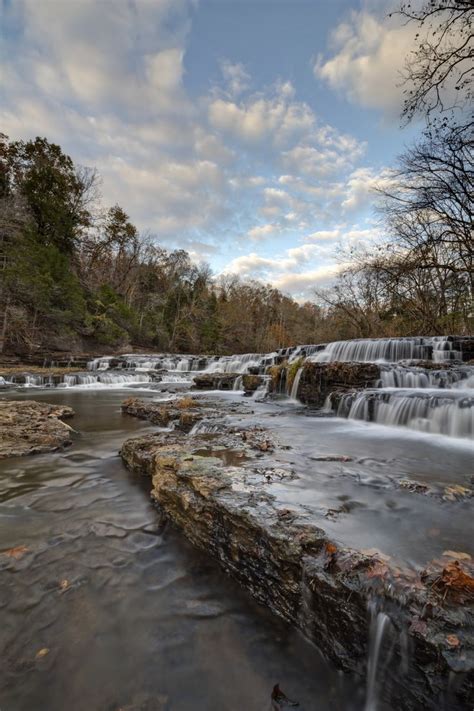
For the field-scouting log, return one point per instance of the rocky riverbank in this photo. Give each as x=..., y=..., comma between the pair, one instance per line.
x=30, y=427
x=220, y=488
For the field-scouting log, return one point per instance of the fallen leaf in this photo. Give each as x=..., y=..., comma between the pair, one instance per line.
x=42, y=653
x=457, y=581
x=64, y=584
x=17, y=552
x=457, y=555
x=452, y=493
x=453, y=641
x=330, y=548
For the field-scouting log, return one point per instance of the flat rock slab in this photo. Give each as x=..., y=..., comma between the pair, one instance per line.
x=29, y=427
x=293, y=567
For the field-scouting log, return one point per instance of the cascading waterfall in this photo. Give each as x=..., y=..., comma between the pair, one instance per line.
x=397, y=376
x=445, y=412
x=392, y=350
x=106, y=379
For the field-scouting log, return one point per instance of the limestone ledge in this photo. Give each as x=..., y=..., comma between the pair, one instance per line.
x=290, y=565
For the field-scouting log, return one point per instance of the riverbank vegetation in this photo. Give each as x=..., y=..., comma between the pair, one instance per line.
x=76, y=276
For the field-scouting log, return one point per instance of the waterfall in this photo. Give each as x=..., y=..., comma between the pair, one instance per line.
x=445, y=412
x=398, y=376
x=107, y=378
x=236, y=363
x=238, y=383
x=378, y=624
x=392, y=350
x=295, y=385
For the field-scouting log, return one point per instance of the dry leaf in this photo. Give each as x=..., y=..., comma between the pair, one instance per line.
x=453, y=641
x=456, y=580
x=17, y=552
x=42, y=653
x=64, y=584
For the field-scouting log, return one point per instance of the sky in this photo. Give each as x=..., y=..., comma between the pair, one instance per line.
x=249, y=132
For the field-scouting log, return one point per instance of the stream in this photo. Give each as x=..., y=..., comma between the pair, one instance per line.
x=130, y=615
x=107, y=608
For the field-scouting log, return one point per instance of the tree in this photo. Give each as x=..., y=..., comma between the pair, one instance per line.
x=439, y=72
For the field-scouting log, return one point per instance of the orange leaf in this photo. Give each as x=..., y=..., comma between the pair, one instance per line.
x=453, y=641
x=17, y=552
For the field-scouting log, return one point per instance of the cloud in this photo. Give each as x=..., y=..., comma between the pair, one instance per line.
x=261, y=232
x=361, y=186
x=367, y=60
x=236, y=78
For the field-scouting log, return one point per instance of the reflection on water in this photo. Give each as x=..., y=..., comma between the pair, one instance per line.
x=102, y=609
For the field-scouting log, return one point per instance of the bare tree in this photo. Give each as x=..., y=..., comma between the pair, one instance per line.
x=439, y=71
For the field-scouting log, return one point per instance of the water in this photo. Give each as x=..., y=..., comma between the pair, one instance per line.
x=378, y=625
x=443, y=412
x=132, y=616
x=437, y=348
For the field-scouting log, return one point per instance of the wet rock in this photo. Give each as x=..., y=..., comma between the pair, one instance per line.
x=30, y=427
x=251, y=383
x=215, y=381
x=318, y=380
x=184, y=413
x=290, y=565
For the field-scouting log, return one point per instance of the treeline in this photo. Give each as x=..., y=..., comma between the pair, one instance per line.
x=77, y=277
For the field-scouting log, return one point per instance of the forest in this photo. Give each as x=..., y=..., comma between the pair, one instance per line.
x=77, y=276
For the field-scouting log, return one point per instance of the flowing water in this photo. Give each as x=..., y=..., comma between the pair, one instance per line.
x=130, y=615
x=133, y=618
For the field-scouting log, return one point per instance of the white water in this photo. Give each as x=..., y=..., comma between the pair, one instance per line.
x=378, y=626
x=110, y=379
x=296, y=384
x=445, y=412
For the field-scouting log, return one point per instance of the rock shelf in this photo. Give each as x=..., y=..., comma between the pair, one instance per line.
x=30, y=427
x=292, y=566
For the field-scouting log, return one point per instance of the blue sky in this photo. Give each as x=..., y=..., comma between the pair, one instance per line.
x=249, y=132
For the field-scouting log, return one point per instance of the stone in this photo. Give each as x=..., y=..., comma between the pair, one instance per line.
x=29, y=427
x=294, y=568
x=215, y=381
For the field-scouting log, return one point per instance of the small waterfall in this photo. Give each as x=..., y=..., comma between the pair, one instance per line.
x=398, y=376
x=238, y=383
x=446, y=412
x=107, y=378
x=236, y=363
x=379, y=623
x=375, y=349
x=295, y=385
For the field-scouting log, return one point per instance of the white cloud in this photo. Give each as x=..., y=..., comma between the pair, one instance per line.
x=361, y=186
x=261, y=232
x=236, y=78
x=368, y=57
